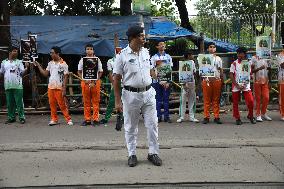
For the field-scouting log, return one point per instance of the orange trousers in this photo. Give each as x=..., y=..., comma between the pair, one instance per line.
x=261, y=94
x=55, y=97
x=91, y=97
x=281, y=99
x=211, y=95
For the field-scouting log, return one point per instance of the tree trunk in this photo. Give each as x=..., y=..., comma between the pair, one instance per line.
x=125, y=7
x=4, y=28
x=183, y=14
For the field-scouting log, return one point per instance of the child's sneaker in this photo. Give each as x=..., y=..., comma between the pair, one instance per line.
x=180, y=120
x=70, y=123
x=194, y=120
x=52, y=123
x=266, y=117
x=282, y=118
x=259, y=119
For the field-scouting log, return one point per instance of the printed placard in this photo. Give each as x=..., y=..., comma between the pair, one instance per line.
x=164, y=70
x=206, y=65
x=263, y=47
x=244, y=75
x=186, y=71
x=25, y=49
x=90, y=68
x=33, y=46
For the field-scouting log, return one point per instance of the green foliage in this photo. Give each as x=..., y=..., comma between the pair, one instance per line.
x=61, y=7
x=233, y=7
x=166, y=8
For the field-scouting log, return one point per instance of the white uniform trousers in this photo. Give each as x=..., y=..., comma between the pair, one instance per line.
x=189, y=96
x=134, y=104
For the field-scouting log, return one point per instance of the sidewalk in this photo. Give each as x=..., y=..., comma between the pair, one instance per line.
x=38, y=155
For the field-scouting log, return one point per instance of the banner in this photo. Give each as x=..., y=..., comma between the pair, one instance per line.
x=164, y=70
x=142, y=6
x=263, y=47
x=244, y=75
x=186, y=74
x=206, y=65
x=90, y=68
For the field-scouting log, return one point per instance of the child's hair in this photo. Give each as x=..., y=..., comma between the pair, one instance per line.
x=13, y=48
x=242, y=50
x=89, y=45
x=56, y=49
x=187, y=54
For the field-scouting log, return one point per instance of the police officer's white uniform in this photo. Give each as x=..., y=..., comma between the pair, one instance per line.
x=135, y=71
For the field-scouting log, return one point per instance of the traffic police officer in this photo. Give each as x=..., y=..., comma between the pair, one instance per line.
x=133, y=67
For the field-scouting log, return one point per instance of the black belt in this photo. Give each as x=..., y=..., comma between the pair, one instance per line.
x=137, y=90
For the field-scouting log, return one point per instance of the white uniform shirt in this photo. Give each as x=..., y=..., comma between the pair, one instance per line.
x=236, y=69
x=280, y=60
x=164, y=57
x=100, y=67
x=57, y=71
x=12, y=71
x=134, y=68
x=110, y=64
x=262, y=75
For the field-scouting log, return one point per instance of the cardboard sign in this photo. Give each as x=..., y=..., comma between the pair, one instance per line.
x=164, y=70
x=206, y=65
x=25, y=50
x=263, y=47
x=186, y=71
x=90, y=68
x=244, y=75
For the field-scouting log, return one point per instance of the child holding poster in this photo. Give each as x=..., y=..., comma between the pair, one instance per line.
x=280, y=61
x=211, y=72
x=91, y=85
x=163, y=66
x=240, y=73
x=261, y=68
x=187, y=73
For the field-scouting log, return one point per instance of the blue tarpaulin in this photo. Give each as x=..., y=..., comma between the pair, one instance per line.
x=72, y=33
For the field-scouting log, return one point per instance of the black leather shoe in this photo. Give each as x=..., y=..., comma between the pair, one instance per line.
x=154, y=158
x=103, y=121
x=119, y=122
x=205, y=120
x=239, y=122
x=168, y=120
x=217, y=120
x=252, y=120
x=10, y=121
x=85, y=123
x=132, y=161
x=95, y=123
x=22, y=121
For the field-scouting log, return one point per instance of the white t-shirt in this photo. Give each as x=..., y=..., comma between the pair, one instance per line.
x=110, y=64
x=57, y=71
x=280, y=60
x=236, y=70
x=262, y=75
x=134, y=68
x=12, y=71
